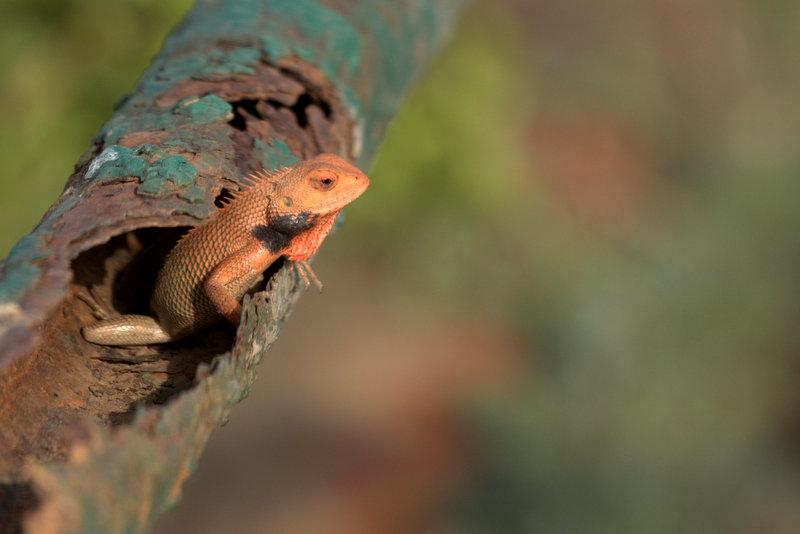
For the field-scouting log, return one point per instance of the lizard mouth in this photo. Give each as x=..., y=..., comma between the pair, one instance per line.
x=355, y=185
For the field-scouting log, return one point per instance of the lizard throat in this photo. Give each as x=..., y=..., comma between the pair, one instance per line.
x=293, y=223
x=271, y=238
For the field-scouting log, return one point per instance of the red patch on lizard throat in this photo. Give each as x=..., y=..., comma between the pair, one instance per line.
x=306, y=243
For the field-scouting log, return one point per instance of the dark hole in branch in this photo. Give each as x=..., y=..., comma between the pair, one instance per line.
x=121, y=274
x=243, y=110
x=299, y=109
x=247, y=109
x=16, y=500
x=223, y=198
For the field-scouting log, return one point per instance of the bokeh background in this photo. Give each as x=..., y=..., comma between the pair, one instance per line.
x=568, y=302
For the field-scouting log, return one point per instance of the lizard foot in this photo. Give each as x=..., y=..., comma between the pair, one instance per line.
x=98, y=306
x=306, y=274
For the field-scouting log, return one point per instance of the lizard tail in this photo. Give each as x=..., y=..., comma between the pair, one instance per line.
x=126, y=330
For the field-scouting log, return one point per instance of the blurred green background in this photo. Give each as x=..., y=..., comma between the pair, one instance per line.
x=567, y=303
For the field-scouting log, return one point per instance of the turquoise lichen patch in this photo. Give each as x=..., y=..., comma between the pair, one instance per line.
x=28, y=248
x=272, y=156
x=331, y=42
x=181, y=67
x=193, y=195
x=238, y=61
x=152, y=151
x=206, y=110
x=167, y=174
x=114, y=162
x=176, y=169
x=17, y=270
x=274, y=48
x=155, y=188
x=209, y=109
x=161, y=174
x=329, y=33
x=16, y=278
x=283, y=156
x=119, y=125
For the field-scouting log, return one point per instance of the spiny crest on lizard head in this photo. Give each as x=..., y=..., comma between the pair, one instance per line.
x=297, y=196
x=262, y=177
x=327, y=180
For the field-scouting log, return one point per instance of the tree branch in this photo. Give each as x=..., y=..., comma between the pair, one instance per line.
x=88, y=440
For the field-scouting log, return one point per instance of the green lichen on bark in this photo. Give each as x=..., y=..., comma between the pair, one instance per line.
x=206, y=110
x=274, y=155
x=18, y=271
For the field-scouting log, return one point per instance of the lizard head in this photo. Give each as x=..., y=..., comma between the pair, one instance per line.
x=319, y=186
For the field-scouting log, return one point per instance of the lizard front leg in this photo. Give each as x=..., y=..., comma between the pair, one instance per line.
x=244, y=263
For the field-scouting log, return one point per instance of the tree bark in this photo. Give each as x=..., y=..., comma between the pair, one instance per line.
x=100, y=439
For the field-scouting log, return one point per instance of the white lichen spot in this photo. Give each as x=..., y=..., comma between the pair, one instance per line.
x=9, y=310
x=109, y=154
x=357, y=141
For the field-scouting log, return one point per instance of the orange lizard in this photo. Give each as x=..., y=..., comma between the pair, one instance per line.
x=284, y=213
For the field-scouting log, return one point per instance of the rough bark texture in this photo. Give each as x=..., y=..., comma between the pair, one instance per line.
x=88, y=441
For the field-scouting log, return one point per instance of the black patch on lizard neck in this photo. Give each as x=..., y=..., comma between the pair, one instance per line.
x=293, y=223
x=270, y=238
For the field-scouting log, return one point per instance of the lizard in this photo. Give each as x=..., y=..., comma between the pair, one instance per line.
x=283, y=213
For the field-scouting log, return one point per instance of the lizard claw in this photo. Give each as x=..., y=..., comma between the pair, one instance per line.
x=97, y=305
x=307, y=274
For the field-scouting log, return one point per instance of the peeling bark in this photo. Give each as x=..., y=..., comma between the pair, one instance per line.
x=98, y=439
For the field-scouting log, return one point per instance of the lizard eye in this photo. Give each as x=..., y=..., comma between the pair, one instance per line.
x=323, y=181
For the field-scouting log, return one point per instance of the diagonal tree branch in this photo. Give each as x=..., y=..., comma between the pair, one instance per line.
x=88, y=440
